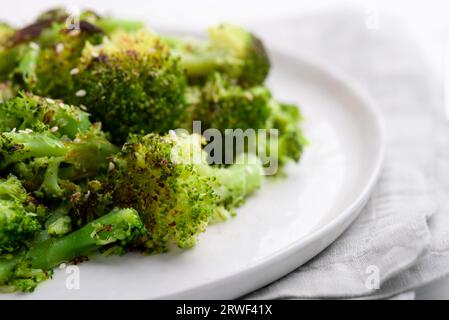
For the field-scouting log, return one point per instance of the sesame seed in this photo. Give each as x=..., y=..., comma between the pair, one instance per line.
x=73, y=33
x=80, y=93
x=54, y=129
x=83, y=107
x=94, y=54
x=111, y=166
x=59, y=47
x=74, y=71
x=50, y=100
x=173, y=135
x=34, y=45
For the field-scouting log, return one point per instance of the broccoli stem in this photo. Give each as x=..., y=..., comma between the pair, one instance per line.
x=235, y=183
x=119, y=226
x=31, y=144
x=85, y=156
x=200, y=64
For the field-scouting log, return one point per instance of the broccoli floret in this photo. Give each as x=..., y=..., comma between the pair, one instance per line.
x=176, y=199
x=231, y=50
x=18, y=223
x=291, y=140
x=26, y=110
x=128, y=80
x=36, y=53
x=131, y=84
x=221, y=105
x=53, y=162
x=26, y=269
x=59, y=55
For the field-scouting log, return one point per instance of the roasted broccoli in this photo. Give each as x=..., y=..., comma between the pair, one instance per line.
x=128, y=79
x=25, y=111
x=24, y=270
x=47, y=164
x=68, y=189
x=221, y=105
x=5, y=34
x=19, y=217
x=231, y=50
x=168, y=181
x=131, y=84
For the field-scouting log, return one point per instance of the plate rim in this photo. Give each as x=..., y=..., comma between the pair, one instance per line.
x=337, y=225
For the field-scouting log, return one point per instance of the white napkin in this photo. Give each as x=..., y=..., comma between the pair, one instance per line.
x=403, y=233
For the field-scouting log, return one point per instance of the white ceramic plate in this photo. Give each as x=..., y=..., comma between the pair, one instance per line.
x=282, y=226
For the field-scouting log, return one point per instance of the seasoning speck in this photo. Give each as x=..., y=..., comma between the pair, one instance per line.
x=80, y=93
x=59, y=47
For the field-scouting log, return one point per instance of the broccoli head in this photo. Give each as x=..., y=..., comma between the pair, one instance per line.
x=221, y=105
x=231, y=50
x=18, y=221
x=175, y=202
x=131, y=84
x=26, y=110
x=291, y=140
x=168, y=181
x=32, y=53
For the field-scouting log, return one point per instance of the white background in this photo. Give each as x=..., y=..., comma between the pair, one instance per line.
x=427, y=20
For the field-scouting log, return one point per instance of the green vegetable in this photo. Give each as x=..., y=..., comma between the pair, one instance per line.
x=26, y=269
x=131, y=84
x=175, y=197
x=221, y=105
x=25, y=111
x=45, y=159
x=89, y=161
x=231, y=50
x=18, y=222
